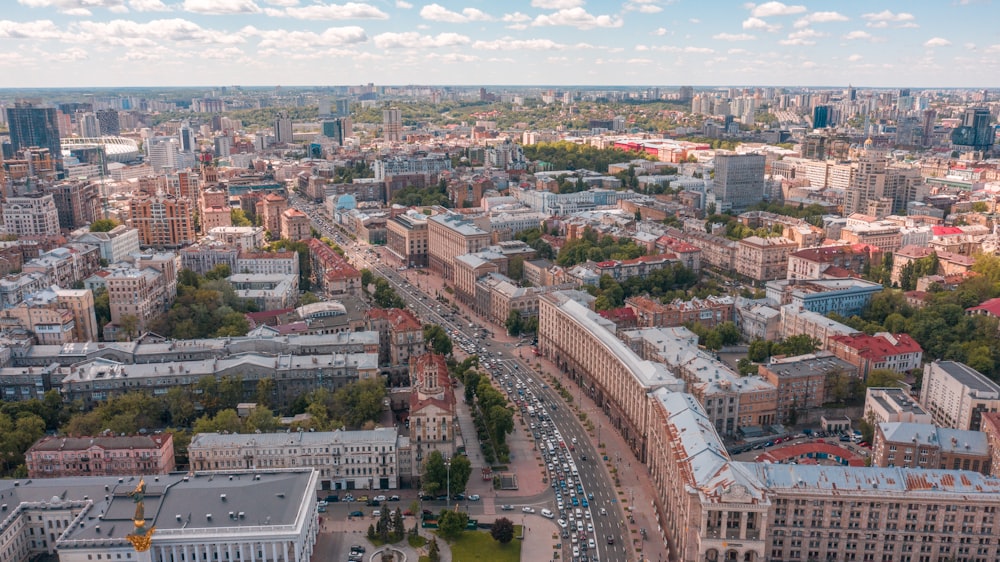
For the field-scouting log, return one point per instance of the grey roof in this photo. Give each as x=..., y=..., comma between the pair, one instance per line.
x=381, y=435
x=882, y=481
x=968, y=376
x=949, y=440
x=268, y=498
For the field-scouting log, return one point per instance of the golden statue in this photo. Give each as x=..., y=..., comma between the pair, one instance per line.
x=140, y=536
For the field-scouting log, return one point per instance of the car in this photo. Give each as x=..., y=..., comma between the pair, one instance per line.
x=562, y=523
x=547, y=513
x=474, y=498
x=363, y=499
x=584, y=502
x=527, y=509
x=576, y=551
x=356, y=513
x=357, y=548
x=583, y=457
x=611, y=539
x=348, y=498
x=427, y=497
x=376, y=513
x=379, y=498
x=590, y=527
x=458, y=497
x=394, y=498
x=604, y=511
x=575, y=539
x=332, y=498
x=373, y=503
x=590, y=496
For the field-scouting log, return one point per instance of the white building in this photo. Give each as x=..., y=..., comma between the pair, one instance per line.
x=887, y=405
x=956, y=395
x=116, y=244
x=265, y=516
x=31, y=215
x=345, y=460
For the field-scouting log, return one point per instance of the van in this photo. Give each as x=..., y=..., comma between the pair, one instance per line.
x=547, y=514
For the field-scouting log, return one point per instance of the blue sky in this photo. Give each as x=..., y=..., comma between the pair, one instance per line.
x=923, y=43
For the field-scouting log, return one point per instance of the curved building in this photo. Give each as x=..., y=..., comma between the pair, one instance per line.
x=116, y=149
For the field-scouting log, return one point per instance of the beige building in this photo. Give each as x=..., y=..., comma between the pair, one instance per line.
x=450, y=236
x=162, y=220
x=31, y=215
x=916, y=445
x=884, y=405
x=136, y=297
x=54, y=457
x=270, y=207
x=215, y=217
x=763, y=259
x=956, y=395
x=406, y=237
x=295, y=225
x=806, y=382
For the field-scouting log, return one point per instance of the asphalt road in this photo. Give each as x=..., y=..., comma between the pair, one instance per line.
x=498, y=360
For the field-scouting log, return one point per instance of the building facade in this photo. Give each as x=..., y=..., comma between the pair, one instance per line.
x=956, y=395
x=57, y=457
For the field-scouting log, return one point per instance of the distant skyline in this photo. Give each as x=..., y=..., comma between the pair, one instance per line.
x=153, y=43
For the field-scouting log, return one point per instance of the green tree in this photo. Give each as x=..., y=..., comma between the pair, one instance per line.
x=265, y=392
x=451, y=524
x=224, y=421
x=367, y=278
x=799, y=344
x=180, y=406
x=103, y=225
x=503, y=530
x=883, y=378
x=461, y=470
x=514, y=324
x=435, y=475
x=260, y=419
x=359, y=402
x=239, y=218
x=436, y=339
x=434, y=551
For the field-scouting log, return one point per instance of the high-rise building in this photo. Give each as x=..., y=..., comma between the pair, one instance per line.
x=343, y=107
x=870, y=187
x=392, y=125
x=77, y=202
x=163, y=153
x=324, y=106
x=109, y=123
x=975, y=131
x=88, y=125
x=282, y=128
x=821, y=116
x=31, y=124
x=739, y=180
x=162, y=220
x=186, y=136
x=685, y=93
x=337, y=129
x=223, y=146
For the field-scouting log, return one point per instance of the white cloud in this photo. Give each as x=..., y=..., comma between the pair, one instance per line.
x=808, y=64
x=937, y=42
x=802, y=37
x=737, y=52
x=757, y=23
x=76, y=7
x=733, y=37
x=73, y=54
x=413, y=39
x=38, y=29
x=661, y=31
x=128, y=33
x=695, y=20
x=769, y=9
x=858, y=35
x=148, y=6
x=643, y=6
x=221, y=7
x=820, y=17
x=556, y=4
x=437, y=12
x=970, y=46
x=516, y=17
x=331, y=37
x=348, y=11
x=402, y=4
x=855, y=57
x=509, y=44
x=283, y=3
x=673, y=49
x=639, y=61
x=885, y=17
x=578, y=18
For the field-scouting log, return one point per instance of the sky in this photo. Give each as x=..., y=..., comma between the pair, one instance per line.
x=875, y=43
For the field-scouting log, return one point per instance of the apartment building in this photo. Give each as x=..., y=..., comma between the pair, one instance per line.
x=114, y=245
x=806, y=382
x=796, y=320
x=67, y=265
x=817, y=263
x=332, y=273
x=763, y=259
x=620, y=270
x=163, y=221
x=270, y=208
x=344, y=460
x=584, y=346
x=241, y=237
x=956, y=395
x=56, y=457
x=295, y=225
x=709, y=312
x=845, y=296
x=31, y=215
x=916, y=445
x=55, y=316
x=406, y=238
x=884, y=405
x=448, y=236
x=883, y=350
x=267, y=263
x=136, y=297
x=400, y=335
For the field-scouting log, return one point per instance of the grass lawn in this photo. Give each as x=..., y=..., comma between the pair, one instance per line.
x=479, y=546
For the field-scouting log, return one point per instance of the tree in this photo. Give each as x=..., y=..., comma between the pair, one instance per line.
x=180, y=406
x=103, y=225
x=226, y=421
x=435, y=474
x=437, y=340
x=883, y=378
x=239, y=218
x=433, y=551
x=367, y=278
x=461, y=470
x=265, y=392
x=359, y=402
x=261, y=419
x=503, y=530
x=514, y=324
x=451, y=524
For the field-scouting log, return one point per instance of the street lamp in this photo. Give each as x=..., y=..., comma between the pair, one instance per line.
x=447, y=466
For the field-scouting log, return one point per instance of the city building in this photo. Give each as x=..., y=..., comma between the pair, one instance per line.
x=806, y=382
x=883, y=350
x=738, y=181
x=163, y=221
x=135, y=297
x=295, y=225
x=270, y=208
x=449, y=236
x=845, y=296
x=282, y=128
x=267, y=263
x=917, y=445
x=240, y=237
x=796, y=320
x=114, y=245
x=406, y=238
x=400, y=335
x=66, y=265
x=620, y=270
x=344, y=460
x=432, y=416
x=31, y=215
x=55, y=316
x=884, y=405
x=763, y=259
x=268, y=291
x=32, y=125
x=263, y=516
x=956, y=395
x=819, y=263
x=392, y=125
x=78, y=203
x=331, y=272
x=107, y=455
x=709, y=312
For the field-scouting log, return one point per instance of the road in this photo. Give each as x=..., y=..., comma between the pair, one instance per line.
x=508, y=372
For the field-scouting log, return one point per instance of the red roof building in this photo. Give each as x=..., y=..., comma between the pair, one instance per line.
x=400, y=335
x=640, y=266
x=986, y=308
x=432, y=407
x=689, y=254
x=897, y=352
x=332, y=272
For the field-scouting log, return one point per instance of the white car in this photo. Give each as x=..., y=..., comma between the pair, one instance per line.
x=590, y=543
x=547, y=513
x=562, y=523
x=576, y=551
x=379, y=498
x=590, y=527
x=527, y=509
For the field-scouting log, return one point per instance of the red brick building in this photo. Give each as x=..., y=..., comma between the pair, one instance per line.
x=897, y=352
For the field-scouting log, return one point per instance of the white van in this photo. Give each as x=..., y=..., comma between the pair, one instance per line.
x=547, y=514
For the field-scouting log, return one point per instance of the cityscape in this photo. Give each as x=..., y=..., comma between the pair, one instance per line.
x=546, y=280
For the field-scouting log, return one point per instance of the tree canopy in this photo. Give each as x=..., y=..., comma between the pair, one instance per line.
x=565, y=155
x=103, y=225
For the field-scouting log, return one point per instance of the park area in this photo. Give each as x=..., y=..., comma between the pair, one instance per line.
x=479, y=546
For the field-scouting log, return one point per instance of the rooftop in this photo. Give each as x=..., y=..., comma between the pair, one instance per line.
x=967, y=376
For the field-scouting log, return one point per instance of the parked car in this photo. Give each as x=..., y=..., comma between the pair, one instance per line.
x=332, y=498
x=380, y=498
x=507, y=507
x=394, y=498
x=356, y=513
x=474, y=497
x=527, y=509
